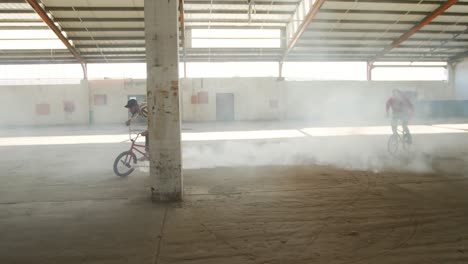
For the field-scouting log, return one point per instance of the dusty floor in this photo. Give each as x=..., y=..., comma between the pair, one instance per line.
x=62, y=204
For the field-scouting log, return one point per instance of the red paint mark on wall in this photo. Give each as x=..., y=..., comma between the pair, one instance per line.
x=42, y=109
x=100, y=99
x=194, y=99
x=68, y=106
x=202, y=97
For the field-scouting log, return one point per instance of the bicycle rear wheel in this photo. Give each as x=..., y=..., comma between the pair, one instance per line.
x=393, y=144
x=124, y=163
x=407, y=141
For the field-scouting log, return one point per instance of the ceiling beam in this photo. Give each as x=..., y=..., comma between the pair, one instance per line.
x=45, y=17
x=103, y=29
x=384, y=22
x=24, y=27
x=16, y=11
x=428, y=19
x=142, y=29
x=426, y=2
x=12, y=1
x=141, y=19
x=307, y=20
x=363, y=39
x=20, y=20
x=128, y=45
x=187, y=2
x=110, y=38
x=366, y=30
x=389, y=12
x=257, y=2
x=233, y=26
x=372, y=12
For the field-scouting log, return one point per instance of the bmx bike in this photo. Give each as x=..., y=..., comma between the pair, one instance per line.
x=399, y=141
x=126, y=162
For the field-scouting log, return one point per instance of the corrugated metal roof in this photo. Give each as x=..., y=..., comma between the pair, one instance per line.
x=113, y=31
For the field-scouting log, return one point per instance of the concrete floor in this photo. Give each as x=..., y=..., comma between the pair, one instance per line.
x=293, y=194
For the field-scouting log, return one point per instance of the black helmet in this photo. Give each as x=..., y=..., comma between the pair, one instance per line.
x=131, y=103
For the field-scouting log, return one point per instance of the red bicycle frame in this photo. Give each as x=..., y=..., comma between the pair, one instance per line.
x=134, y=147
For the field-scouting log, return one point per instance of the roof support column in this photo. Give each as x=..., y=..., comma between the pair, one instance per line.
x=280, y=70
x=84, y=66
x=162, y=56
x=370, y=67
x=451, y=74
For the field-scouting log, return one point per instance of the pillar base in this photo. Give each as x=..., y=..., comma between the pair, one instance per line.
x=158, y=197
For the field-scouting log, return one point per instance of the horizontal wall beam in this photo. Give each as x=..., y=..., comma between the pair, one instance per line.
x=387, y=12
x=186, y=2
x=28, y=27
x=16, y=11
x=140, y=19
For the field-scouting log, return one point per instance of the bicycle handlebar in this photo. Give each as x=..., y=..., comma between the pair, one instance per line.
x=130, y=134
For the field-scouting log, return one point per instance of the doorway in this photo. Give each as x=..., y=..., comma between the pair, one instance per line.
x=225, y=107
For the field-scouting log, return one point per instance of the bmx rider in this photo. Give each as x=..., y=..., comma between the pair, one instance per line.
x=402, y=110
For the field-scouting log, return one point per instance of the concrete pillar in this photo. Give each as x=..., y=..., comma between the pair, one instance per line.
x=162, y=58
x=85, y=86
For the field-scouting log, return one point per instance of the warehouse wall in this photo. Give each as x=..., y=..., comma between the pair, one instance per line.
x=269, y=99
x=116, y=93
x=354, y=100
x=43, y=105
x=254, y=99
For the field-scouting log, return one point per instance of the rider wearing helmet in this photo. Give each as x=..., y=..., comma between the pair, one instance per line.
x=402, y=110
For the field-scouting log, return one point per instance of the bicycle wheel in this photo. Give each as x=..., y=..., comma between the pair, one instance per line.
x=407, y=141
x=123, y=164
x=393, y=144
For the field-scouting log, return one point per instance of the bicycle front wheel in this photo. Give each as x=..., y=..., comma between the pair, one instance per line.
x=393, y=144
x=124, y=163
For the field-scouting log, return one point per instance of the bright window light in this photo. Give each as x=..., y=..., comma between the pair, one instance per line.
x=27, y=34
x=325, y=70
x=35, y=44
x=410, y=63
x=235, y=33
x=232, y=69
x=236, y=38
x=117, y=70
x=40, y=74
x=29, y=39
x=410, y=74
